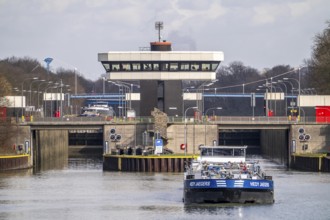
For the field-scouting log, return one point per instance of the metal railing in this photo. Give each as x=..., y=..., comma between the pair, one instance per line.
x=189, y=120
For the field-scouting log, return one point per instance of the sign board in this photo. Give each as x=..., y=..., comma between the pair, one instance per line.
x=158, y=146
x=322, y=114
x=274, y=96
x=15, y=101
x=313, y=100
x=53, y=97
x=192, y=96
x=133, y=96
x=131, y=113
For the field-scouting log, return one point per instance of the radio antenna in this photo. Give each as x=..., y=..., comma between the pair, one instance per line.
x=159, y=25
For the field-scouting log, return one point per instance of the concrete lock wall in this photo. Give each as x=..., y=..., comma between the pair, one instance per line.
x=22, y=135
x=196, y=135
x=131, y=135
x=310, y=139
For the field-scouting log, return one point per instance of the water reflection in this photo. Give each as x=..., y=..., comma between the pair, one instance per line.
x=79, y=189
x=52, y=163
x=223, y=210
x=94, y=163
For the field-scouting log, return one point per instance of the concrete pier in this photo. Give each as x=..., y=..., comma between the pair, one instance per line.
x=311, y=163
x=15, y=162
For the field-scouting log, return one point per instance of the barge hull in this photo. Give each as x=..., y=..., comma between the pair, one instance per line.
x=212, y=195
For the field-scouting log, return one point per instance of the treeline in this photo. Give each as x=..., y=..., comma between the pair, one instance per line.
x=16, y=76
x=236, y=77
x=17, y=73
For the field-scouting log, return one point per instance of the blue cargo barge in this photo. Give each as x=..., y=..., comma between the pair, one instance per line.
x=222, y=175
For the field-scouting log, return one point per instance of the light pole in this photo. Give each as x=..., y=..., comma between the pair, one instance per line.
x=285, y=96
x=51, y=99
x=185, y=129
x=103, y=77
x=298, y=99
x=129, y=89
x=49, y=82
x=218, y=108
x=183, y=92
x=309, y=91
x=61, y=103
x=120, y=102
x=15, y=107
x=278, y=87
x=103, y=85
x=75, y=81
x=62, y=97
x=299, y=90
x=266, y=88
x=269, y=86
x=33, y=78
x=201, y=90
x=121, y=84
x=38, y=80
x=68, y=109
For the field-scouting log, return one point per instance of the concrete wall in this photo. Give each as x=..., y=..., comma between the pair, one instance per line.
x=131, y=135
x=22, y=135
x=274, y=145
x=196, y=135
x=319, y=141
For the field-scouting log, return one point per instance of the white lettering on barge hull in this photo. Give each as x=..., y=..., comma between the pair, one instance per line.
x=261, y=184
x=204, y=183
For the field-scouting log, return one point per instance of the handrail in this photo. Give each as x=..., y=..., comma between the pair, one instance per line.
x=179, y=120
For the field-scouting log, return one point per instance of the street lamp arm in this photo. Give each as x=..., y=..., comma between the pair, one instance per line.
x=218, y=108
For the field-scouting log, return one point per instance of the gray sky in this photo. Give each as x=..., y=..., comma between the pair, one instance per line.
x=260, y=33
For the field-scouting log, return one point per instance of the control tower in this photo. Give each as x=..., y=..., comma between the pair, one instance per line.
x=161, y=72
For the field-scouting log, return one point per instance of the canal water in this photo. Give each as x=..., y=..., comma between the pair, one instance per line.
x=81, y=190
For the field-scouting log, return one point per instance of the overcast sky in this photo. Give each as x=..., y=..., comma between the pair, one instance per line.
x=260, y=33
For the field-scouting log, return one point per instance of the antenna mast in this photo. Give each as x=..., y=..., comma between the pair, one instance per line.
x=159, y=25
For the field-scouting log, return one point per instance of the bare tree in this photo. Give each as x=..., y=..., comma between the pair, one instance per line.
x=319, y=64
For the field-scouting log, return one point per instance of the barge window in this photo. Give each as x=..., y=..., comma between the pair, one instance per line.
x=239, y=152
x=207, y=152
x=223, y=152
